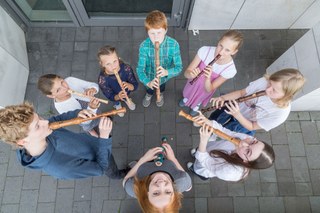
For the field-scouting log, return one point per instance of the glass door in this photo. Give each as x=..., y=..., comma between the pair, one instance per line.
x=126, y=12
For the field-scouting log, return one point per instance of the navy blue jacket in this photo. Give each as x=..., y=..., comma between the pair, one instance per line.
x=70, y=155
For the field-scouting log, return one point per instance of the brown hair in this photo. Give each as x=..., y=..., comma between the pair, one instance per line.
x=15, y=121
x=141, y=188
x=156, y=19
x=106, y=50
x=292, y=81
x=265, y=159
x=45, y=83
x=234, y=35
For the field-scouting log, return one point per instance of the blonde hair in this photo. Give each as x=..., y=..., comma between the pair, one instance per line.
x=156, y=19
x=235, y=36
x=15, y=121
x=141, y=188
x=291, y=80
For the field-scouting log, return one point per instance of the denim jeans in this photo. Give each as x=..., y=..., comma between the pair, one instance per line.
x=229, y=122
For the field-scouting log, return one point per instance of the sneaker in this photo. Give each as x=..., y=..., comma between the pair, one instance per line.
x=190, y=168
x=161, y=102
x=147, y=100
x=118, y=106
x=182, y=103
x=193, y=152
x=132, y=106
x=193, y=113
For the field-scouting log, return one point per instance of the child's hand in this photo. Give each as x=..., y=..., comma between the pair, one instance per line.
x=85, y=113
x=169, y=152
x=94, y=103
x=161, y=72
x=105, y=127
x=151, y=154
x=194, y=72
x=154, y=84
x=90, y=92
x=233, y=108
x=217, y=102
x=207, y=71
x=122, y=95
x=205, y=133
x=127, y=86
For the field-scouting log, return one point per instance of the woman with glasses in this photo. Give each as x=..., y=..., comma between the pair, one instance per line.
x=219, y=158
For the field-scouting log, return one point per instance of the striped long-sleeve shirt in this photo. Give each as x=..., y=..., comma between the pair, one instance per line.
x=170, y=59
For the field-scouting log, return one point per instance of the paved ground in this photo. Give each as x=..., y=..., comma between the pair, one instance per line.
x=292, y=185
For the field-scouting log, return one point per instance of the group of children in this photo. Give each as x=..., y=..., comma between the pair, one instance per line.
x=67, y=155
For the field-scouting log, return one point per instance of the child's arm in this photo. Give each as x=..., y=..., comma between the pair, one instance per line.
x=211, y=86
x=192, y=70
x=106, y=89
x=141, y=68
x=176, y=67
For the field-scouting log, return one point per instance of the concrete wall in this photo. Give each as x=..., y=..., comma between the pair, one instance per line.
x=14, y=66
x=305, y=56
x=254, y=14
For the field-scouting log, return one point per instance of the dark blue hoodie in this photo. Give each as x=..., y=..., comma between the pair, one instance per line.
x=70, y=155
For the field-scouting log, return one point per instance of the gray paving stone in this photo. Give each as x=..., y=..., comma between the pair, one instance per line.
x=139, y=34
x=269, y=189
x=201, y=190
x=36, y=35
x=315, y=180
x=271, y=204
x=12, y=190
x=28, y=202
x=297, y=204
x=293, y=126
x=81, y=206
x=279, y=135
x=5, y=151
x=14, y=169
x=315, y=116
x=63, y=68
x=287, y=188
x=48, y=189
x=283, y=161
x=304, y=189
x=119, y=139
x=219, y=188
x=114, y=192
x=315, y=204
x=31, y=179
x=68, y=34
x=300, y=169
x=46, y=208
x=110, y=34
x=125, y=206
x=82, y=190
x=66, y=184
x=53, y=34
x=183, y=134
x=223, y=204
x=309, y=132
x=312, y=153
x=94, y=48
x=64, y=200
x=187, y=205
x=10, y=208
x=296, y=144
x=125, y=33
x=99, y=194
x=136, y=123
x=81, y=46
x=246, y=204
x=120, y=156
x=167, y=123
x=268, y=175
x=82, y=34
x=152, y=135
x=79, y=61
x=96, y=33
x=135, y=147
x=236, y=189
x=200, y=205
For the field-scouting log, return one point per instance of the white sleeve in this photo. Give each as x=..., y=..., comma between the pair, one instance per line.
x=257, y=85
x=230, y=72
x=81, y=85
x=218, y=167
